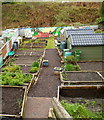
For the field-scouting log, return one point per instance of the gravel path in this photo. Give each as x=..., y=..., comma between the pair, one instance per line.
x=48, y=83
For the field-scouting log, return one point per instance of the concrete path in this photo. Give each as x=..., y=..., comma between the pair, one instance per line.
x=37, y=107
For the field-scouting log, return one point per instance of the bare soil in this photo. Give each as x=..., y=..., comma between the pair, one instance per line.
x=48, y=83
x=25, y=69
x=28, y=52
x=82, y=76
x=26, y=59
x=102, y=73
x=94, y=66
x=10, y=100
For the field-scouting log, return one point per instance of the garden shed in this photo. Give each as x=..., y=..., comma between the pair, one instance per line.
x=91, y=45
x=67, y=32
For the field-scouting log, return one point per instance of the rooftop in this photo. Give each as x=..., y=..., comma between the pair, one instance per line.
x=87, y=39
x=78, y=31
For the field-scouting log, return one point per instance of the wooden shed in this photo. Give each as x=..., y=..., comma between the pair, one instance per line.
x=91, y=45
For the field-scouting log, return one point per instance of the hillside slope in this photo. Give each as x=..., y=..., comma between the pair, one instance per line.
x=39, y=14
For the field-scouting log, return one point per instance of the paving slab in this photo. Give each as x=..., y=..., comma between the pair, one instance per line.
x=37, y=107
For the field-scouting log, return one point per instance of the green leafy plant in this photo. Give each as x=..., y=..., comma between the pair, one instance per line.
x=33, y=70
x=11, y=68
x=19, y=101
x=35, y=64
x=69, y=67
x=17, y=78
x=79, y=110
x=70, y=59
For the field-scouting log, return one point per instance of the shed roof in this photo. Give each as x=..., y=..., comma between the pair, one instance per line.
x=87, y=39
x=78, y=31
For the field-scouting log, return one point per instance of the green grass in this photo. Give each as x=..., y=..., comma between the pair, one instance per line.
x=50, y=43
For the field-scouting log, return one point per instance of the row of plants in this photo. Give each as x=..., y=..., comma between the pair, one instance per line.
x=70, y=64
x=12, y=78
x=11, y=67
x=34, y=67
x=13, y=75
x=77, y=110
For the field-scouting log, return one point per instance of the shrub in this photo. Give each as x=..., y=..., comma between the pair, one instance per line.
x=35, y=64
x=33, y=70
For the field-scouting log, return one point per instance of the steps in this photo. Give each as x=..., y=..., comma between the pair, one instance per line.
x=37, y=107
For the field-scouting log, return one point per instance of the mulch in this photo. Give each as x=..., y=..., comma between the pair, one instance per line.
x=94, y=66
x=48, y=83
x=10, y=99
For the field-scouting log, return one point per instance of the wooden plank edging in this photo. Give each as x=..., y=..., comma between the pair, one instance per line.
x=59, y=110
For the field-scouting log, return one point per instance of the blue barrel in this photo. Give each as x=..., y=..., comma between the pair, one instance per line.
x=67, y=54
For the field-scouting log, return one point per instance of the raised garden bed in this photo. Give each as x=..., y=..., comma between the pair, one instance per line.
x=28, y=45
x=29, y=52
x=82, y=97
x=15, y=79
x=25, y=59
x=13, y=101
x=81, y=78
x=34, y=44
x=92, y=66
x=38, y=45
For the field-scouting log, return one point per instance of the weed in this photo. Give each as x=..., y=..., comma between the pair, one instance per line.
x=19, y=101
x=79, y=111
x=93, y=102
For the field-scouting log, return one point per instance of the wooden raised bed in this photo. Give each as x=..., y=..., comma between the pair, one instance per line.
x=13, y=101
x=29, y=52
x=90, y=95
x=102, y=73
x=91, y=65
x=26, y=59
x=81, y=78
